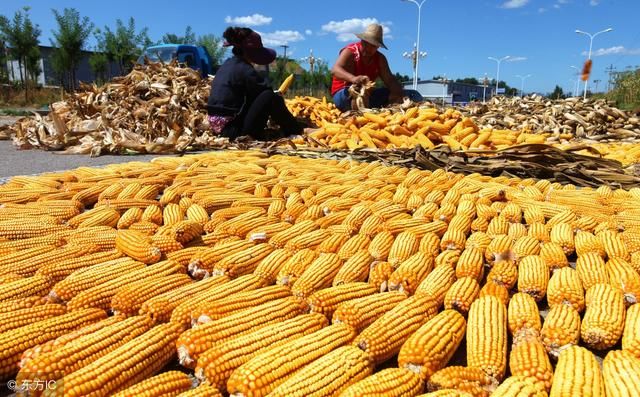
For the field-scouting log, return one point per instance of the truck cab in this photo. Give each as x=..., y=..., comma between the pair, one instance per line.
x=195, y=57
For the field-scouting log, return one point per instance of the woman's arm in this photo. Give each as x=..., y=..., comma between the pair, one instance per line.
x=395, y=89
x=344, y=64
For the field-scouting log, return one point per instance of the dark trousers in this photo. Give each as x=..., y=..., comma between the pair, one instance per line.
x=253, y=121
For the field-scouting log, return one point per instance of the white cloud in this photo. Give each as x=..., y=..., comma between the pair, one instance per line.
x=542, y=10
x=516, y=59
x=249, y=20
x=308, y=32
x=515, y=3
x=281, y=37
x=346, y=29
x=615, y=50
x=556, y=6
x=594, y=2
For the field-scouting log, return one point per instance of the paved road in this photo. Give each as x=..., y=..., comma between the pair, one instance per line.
x=29, y=162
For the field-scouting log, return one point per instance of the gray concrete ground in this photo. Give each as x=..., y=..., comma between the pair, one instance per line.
x=29, y=162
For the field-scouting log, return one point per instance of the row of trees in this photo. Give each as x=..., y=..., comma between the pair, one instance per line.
x=116, y=47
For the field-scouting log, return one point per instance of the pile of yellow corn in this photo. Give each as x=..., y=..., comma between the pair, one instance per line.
x=289, y=277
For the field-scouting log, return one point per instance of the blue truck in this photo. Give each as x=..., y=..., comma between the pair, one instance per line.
x=195, y=57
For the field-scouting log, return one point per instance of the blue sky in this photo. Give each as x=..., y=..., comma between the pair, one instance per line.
x=458, y=35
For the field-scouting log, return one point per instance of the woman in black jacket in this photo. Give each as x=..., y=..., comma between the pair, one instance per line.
x=241, y=102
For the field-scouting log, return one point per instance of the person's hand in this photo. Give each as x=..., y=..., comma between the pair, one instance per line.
x=361, y=80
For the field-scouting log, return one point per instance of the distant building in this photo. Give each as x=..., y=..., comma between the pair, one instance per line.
x=48, y=77
x=451, y=92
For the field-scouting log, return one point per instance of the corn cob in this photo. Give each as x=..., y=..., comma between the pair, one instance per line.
x=562, y=234
x=192, y=343
x=144, y=227
x=24, y=288
x=380, y=246
x=267, y=370
x=528, y=358
x=431, y=347
x=92, y=276
x=525, y=246
x=446, y=393
x=23, y=255
x=18, y=318
x=22, y=303
x=453, y=239
x=165, y=243
x=461, y=295
x=356, y=243
x=621, y=372
x=577, y=374
x=533, y=277
x=487, y=336
x=478, y=240
x=295, y=266
x=326, y=301
x=354, y=269
x=480, y=225
x=587, y=242
x=410, y=273
x=28, y=267
x=65, y=358
x=565, y=287
x=333, y=243
x=129, y=299
x=379, y=274
x=385, y=336
x=13, y=246
x=166, y=384
x=517, y=231
x=362, y=312
x=100, y=296
x=278, y=240
x=437, y=283
x=185, y=231
x=203, y=390
x=371, y=226
x=404, y=245
x=172, y=214
x=470, y=264
x=271, y=265
x=318, y=275
x=499, y=249
x=592, y=270
x=182, y=313
x=137, y=246
x=328, y=375
x=448, y=258
x=430, y=244
x=216, y=364
x=523, y=314
x=540, y=232
x=14, y=343
x=203, y=262
x=152, y=214
x=504, y=273
x=519, y=386
x=624, y=277
x=631, y=335
x=264, y=233
x=463, y=379
x=498, y=226
x=197, y=213
x=613, y=245
x=160, y=307
x=603, y=321
x=125, y=366
x=307, y=240
x=388, y=382
x=243, y=262
x=561, y=329
x=214, y=310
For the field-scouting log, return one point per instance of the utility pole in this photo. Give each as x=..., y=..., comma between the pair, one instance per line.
x=596, y=82
x=610, y=71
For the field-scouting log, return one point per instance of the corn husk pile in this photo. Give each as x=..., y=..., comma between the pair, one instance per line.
x=596, y=119
x=159, y=108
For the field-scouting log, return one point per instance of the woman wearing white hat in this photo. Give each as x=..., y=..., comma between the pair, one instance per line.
x=361, y=62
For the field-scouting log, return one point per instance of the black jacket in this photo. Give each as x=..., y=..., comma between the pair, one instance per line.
x=234, y=88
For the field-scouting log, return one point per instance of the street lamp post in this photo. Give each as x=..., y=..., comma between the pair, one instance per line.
x=522, y=79
x=499, y=61
x=444, y=87
x=485, y=82
x=413, y=56
x=576, y=85
x=591, y=37
x=415, y=68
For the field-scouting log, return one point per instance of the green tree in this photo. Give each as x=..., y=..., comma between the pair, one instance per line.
x=468, y=80
x=172, y=38
x=557, y=93
x=21, y=36
x=214, y=47
x=123, y=45
x=98, y=63
x=4, y=73
x=402, y=77
x=69, y=40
